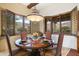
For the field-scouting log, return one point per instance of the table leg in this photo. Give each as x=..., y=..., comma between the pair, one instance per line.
x=35, y=52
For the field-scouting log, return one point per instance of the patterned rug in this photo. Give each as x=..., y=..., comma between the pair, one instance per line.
x=73, y=52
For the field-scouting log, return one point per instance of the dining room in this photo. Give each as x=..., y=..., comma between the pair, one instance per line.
x=39, y=29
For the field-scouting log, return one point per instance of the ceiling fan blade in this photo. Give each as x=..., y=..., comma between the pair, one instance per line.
x=31, y=5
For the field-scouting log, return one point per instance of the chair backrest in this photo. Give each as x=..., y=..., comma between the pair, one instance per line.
x=8, y=42
x=23, y=35
x=59, y=45
x=48, y=35
x=55, y=33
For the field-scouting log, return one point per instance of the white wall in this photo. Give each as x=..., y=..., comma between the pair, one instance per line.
x=69, y=41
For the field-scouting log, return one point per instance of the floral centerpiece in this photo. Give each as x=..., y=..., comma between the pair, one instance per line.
x=35, y=35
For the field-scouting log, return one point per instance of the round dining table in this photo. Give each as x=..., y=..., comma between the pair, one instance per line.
x=34, y=46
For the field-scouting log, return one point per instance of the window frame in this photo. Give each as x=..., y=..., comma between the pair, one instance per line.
x=58, y=18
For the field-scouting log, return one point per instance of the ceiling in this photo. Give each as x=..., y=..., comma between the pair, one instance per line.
x=30, y=5
x=45, y=9
x=17, y=8
x=48, y=9
x=25, y=4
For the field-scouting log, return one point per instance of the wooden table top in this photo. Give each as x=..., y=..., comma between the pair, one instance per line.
x=30, y=45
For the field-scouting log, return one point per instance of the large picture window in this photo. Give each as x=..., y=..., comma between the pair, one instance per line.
x=66, y=27
x=58, y=24
x=57, y=27
x=21, y=23
x=49, y=26
x=27, y=25
x=18, y=24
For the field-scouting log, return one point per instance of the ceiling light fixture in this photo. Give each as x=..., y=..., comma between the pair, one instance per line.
x=35, y=16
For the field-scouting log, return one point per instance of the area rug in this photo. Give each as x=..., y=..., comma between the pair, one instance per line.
x=73, y=52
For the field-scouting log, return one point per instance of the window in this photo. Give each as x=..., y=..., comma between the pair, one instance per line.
x=59, y=24
x=7, y=22
x=56, y=27
x=66, y=27
x=27, y=25
x=14, y=23
x=49, y=26
x=18, y=24
x=21, y=23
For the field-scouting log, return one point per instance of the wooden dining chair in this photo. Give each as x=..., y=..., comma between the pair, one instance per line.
x=48, y=36
x=59, y=45
x=56, y=51
x=23, y=35
x=17, y=52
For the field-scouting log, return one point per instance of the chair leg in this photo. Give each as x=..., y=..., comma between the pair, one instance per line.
x=44, y=52
x=58, y=55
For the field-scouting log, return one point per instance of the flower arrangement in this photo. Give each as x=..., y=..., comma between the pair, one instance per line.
x=35, y=34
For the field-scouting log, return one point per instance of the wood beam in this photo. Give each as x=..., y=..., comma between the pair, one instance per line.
x=31, y=5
